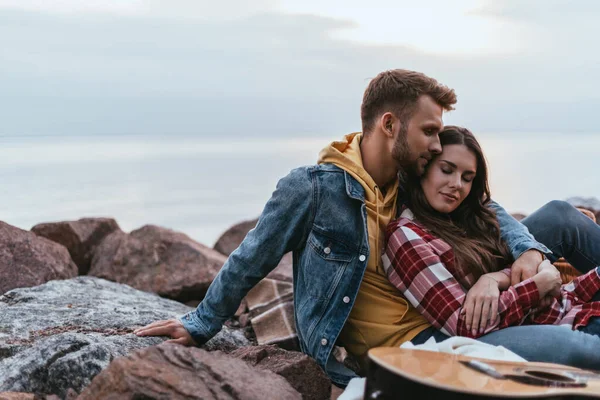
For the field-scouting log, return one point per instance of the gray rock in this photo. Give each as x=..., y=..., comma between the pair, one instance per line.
x=61, y=334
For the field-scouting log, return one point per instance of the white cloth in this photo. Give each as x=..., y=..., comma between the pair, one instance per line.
x=453, y=345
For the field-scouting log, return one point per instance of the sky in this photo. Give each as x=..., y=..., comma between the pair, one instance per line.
x=285, y=68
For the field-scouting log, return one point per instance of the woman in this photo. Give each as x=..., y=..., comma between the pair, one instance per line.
x=446, y=256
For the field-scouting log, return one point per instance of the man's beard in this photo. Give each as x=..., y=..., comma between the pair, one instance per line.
x=401, y=152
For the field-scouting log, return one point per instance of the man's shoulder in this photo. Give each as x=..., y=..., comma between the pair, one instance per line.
x=309, y=171
x=317, y=168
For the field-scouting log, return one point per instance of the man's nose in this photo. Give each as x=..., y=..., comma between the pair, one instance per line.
x=435, y=146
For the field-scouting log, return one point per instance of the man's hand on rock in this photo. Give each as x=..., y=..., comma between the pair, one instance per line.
x=526, y=266
x=170, y=327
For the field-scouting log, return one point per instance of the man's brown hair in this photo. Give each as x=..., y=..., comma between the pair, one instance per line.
x=397, y=91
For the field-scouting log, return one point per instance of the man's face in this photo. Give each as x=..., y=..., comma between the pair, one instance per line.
x=417, y=140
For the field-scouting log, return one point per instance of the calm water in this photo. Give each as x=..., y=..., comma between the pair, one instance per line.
x=202, y=187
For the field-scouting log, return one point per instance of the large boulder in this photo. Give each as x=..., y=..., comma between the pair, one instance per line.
x=158, y=260
x=232, y=237
x=177, y=372
x=80, y=237
x=301, y=371
x=61, y=334
x=28, y=260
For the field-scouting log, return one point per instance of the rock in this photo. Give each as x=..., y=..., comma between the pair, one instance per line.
x=18, y=396
x=79, y=237
x=518, y=216
x=158, y=260
x=335, y=392
x=228, y=340
x=589, y=203
x=301, y=371
x=61, y=334
x=176, y=372
x=28, y=260
x=232, y=237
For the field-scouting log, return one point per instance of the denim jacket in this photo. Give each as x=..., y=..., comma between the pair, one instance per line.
x=317, y=212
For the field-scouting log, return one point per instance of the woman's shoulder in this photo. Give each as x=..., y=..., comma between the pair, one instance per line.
x=406, y=221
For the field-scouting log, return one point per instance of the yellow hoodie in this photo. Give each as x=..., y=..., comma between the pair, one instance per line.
x=381, y=316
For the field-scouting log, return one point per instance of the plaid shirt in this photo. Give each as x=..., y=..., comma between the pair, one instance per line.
x=422, y=267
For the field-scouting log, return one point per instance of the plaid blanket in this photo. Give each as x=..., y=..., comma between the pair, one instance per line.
x=271, y=307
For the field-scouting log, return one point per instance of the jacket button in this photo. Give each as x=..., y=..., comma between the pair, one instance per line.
x=362, y=257
x=326, y=250
x=323, y=342
x=346, y=299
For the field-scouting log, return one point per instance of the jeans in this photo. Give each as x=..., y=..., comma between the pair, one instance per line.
x=593, y=327
x=569, y=234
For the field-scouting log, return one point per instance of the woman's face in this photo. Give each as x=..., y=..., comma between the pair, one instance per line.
x=449, y=177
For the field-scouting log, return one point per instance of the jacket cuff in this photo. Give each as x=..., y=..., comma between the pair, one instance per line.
x=518, y=249
x=195, y=327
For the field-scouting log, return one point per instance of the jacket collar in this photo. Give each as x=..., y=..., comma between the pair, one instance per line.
x=353, y=188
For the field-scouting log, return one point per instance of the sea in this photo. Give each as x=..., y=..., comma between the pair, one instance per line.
x=202, y=186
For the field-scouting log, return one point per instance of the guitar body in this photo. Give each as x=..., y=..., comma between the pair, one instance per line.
x=407, y=374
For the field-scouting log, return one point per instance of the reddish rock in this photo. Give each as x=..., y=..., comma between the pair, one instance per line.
x=158, y=260
x=233, y=237
x=18, y=396
x=336, y=392
x=518, y=216
x=27, y=260
x=177, y=372
x=301, y=371
x=80, y=237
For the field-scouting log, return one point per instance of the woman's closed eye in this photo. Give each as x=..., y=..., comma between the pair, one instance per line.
x=467, y=179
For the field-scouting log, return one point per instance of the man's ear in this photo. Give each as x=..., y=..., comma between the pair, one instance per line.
x=388, y=123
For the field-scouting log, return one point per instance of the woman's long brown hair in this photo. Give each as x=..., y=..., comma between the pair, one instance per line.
x=472, y=229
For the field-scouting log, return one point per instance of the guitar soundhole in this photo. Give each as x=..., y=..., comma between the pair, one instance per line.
x=549, y=376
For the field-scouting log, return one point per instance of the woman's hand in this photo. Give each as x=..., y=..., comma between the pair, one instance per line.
x=481, y=304
x=548, y=280
x=171, y=327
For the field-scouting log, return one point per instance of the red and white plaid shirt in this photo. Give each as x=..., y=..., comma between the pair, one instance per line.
x=422, y=267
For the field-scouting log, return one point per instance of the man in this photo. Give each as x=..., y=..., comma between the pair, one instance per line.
x=332, y=216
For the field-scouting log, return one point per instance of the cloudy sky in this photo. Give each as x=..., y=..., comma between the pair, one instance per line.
x=289, y=67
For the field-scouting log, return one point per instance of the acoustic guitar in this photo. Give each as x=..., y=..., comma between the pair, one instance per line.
x=410, y=374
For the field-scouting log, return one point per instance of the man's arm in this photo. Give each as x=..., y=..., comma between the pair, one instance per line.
x=282, y=227
x=527, y=252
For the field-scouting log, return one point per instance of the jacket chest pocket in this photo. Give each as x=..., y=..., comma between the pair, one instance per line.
x=325, y=260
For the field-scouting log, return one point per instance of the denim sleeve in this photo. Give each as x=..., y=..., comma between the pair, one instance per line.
x=515, y=234
x=281, y=228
